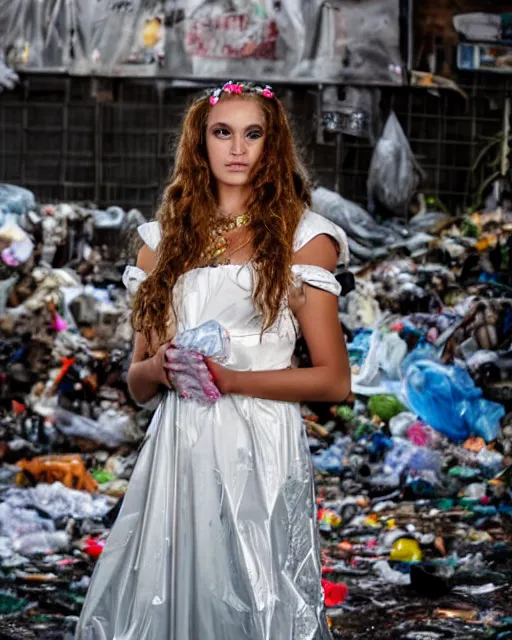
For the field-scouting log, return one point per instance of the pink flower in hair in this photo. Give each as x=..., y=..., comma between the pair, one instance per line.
x=267, y=92
x=214, y=100
x=232, y=87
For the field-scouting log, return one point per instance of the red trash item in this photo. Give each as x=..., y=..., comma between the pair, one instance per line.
x=18, y=407
x=335, y=593
x=94, y=547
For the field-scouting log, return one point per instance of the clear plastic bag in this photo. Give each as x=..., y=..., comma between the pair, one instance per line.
x=38, y=33
x=58, y=501
x=186, y=364
x=394, y=173
x=209, y=339
x=112, y=428
x=354, y=40
x=42, y=542
x=120, y=38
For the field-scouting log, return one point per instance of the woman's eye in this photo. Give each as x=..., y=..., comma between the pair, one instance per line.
x=254, y=135
x=221, y=133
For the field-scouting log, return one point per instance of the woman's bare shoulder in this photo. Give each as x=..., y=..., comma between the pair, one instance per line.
x=146, y=259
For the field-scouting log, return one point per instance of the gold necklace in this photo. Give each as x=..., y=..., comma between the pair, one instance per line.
x=218, y=242
x=227, y=256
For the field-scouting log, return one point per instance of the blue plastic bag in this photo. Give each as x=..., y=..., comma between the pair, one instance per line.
x=447, y=399
x=15, y=199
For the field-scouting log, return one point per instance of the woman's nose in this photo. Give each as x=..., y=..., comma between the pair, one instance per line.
x=237, y=145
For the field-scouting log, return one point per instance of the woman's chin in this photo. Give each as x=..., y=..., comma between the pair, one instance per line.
x=235, y=180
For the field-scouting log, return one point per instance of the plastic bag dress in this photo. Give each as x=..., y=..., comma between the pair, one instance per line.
x=216, y=537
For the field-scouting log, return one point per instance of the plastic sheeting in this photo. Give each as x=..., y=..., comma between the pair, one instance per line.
x=242, y=38
x=353, y=40
x=120, y=37
x=37, y=34
x=357, y=40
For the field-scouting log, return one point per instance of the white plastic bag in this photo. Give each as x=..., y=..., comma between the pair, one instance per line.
x=394, y=173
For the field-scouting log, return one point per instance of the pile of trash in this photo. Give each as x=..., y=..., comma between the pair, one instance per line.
x=413, y=475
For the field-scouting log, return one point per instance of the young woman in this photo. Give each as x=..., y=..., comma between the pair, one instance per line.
x=216, y=538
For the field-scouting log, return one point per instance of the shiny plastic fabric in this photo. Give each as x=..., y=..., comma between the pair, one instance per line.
x=36, y=34
x=239, y=38
x=216, y=537
x=350, y=40
x=447, y=399
x=394, y=173
x=354, y=40
x=120, y=38
x=186, y=366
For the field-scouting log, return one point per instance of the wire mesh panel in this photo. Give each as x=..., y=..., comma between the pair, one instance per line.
x=76, y=139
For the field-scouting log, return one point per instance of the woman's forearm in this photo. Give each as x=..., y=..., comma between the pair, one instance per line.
x=144, y=380
x=312, y=384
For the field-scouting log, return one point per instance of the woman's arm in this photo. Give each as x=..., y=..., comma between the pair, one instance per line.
x=146, y=374
x=328, y=379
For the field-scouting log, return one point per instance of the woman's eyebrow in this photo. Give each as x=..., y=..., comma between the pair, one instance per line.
x=227, y=126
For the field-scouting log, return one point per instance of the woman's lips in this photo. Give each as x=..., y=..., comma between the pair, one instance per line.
x=237, y=166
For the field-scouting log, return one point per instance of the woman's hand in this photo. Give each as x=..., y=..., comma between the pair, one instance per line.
x=160, y=374
x=190, y=376
x=223, y=378
x=147, y=374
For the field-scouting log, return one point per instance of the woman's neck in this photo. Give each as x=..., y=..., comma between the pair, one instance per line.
x=232, y=200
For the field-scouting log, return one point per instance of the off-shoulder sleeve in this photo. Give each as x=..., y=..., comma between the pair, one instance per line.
x=316, y=277
x=310, y=226
x=132, y=278
x=313, y=225
x=151, y=233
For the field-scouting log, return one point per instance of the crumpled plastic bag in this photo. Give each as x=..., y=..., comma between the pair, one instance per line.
x=58, y=501
x=8, y=78
x=356, y=40
x=112, y=218
x=447, y=399
x=14, y=199
x=386, y=353
x=406, y=456
x=37, y=34
x=186, y=364
x=394, y=173
x=353, y=219
x=112, y=428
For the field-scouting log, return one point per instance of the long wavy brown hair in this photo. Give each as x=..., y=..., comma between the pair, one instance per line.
x=279, y=196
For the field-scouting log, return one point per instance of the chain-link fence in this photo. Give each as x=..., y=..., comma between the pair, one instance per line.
x=110, y=142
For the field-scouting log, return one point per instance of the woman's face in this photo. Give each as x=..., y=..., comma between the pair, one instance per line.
x=235, y=134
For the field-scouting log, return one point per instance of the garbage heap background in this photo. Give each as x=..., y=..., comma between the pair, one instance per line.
x=413, y=473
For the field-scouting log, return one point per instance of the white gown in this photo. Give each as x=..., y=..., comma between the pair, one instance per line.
x=216, y=538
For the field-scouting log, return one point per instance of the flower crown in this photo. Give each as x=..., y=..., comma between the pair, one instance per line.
x=239, y=88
